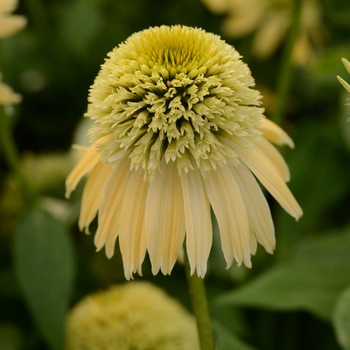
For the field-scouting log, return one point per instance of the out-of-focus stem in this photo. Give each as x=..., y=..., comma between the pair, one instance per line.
x=286, y=68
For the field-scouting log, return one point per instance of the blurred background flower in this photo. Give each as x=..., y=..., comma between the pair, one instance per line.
x=270, y=20
x=136, y=315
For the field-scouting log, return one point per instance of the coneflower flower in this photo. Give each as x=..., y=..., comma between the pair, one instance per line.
x=341, y=80
x=270, y=21
x=136, y=315
x=9, y=25
x=177, y=130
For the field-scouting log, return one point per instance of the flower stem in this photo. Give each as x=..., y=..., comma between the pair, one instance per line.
x=286, y=68
x=200, y=308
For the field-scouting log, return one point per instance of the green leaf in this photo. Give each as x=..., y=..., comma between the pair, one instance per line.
x=45, y=270
x=227, y=340
x=311, y=280
x=341, y=319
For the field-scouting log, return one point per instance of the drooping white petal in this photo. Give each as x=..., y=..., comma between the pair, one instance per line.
x=264, y=149
x=132, y=237
x=164, y=218
x=109, y=211
x=344, y=83
x=11, y=24
x=270, y=179
x=258, y=210
x=274, y=133
x=92, y=194
x=197, y=220
x=346, y=64
x=86, y=163
x=229, y=208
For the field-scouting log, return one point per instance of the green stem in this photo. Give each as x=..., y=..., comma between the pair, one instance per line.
x=10, y=152
x=286, y=68
x=200, y=308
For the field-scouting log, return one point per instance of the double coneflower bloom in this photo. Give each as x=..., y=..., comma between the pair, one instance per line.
x=270, y=21
x=178, y=130
x=9, y=25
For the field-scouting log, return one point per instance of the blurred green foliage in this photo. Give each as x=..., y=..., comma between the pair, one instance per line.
x=296, y=299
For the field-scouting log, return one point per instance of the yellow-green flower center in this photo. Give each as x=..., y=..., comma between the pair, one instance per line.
x=173, y=94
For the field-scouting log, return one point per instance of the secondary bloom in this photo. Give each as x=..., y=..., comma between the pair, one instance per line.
x=341, y=80
x=9, y=25
x=136, y=315
x=177, y=130
x=271, y=20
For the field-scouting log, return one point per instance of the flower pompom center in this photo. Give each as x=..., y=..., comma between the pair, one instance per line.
x=172, y=93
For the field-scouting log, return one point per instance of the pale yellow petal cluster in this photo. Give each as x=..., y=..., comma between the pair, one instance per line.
x=271, y=19
x=10, y=24
x=341, y=80
x=7, y=95
x=178, y=130
x=136, y=315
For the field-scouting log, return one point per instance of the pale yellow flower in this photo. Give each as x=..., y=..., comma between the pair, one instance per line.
x=341, y=80
x=7, y=95
x=177, y=130
x=271, y=20
x=10, y=24
x=136, y=315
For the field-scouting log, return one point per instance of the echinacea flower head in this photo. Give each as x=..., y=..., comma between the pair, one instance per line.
x=341, y=80
x=7, y=95
x=136, y=315
x=178, y=130
x=270, y=21
x=10, y=24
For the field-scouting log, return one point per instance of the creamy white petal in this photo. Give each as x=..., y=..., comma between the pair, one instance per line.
x=344, y=83
x=270, y=179
x=164, y=219
x=111, y=203
x=264, y=149
x=252, y=242
x=86, y=163
x=132, y=237
x=274, y=133
x=7, y=6
x=197, y=220
x=11, y=24
x=346, y=64
x=92, y=194
x=229, y=208
x=258, y=210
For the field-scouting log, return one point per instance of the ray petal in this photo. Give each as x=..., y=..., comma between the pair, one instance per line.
x=197, y=220
x=164, y=219
x=229, y=208
x=265, y=149
x=132, y=238
x=86, y=163
x=111, y=202
x=258, y=210
x=270, y=179
x=274, y=133
x=92, y=194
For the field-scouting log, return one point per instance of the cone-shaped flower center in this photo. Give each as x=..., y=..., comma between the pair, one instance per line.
x=172, y=93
